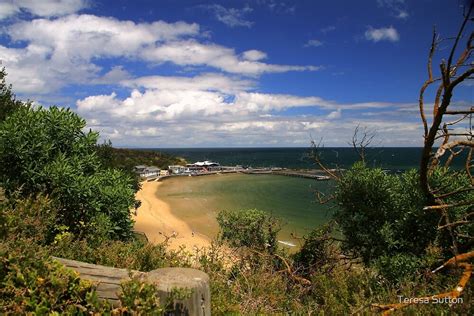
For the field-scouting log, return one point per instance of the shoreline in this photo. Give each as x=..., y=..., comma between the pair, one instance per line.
x=155, y=219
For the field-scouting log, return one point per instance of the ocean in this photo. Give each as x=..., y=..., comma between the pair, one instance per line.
x=400, y=158
x=197, y=200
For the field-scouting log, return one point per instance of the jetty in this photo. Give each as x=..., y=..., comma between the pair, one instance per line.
x=309, y=174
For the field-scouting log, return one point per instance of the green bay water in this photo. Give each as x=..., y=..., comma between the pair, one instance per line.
x=197, y=200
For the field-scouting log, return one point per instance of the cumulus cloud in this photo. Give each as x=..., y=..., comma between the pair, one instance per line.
x=63, y=51
x=313, y=43
x=43, y=8
x=215, y=109
x=230, y=16
x=68, y=50
x=382, y=34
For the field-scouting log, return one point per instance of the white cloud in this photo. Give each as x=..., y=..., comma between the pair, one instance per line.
x=88, y=36
x=382, y=34
x=205, y=82
x=254, y=55
x=313, y=43
x=68, y=50
x=230, y=16
x=44, y=8
x=62, y=51
x=397, y=8
x=214, y=109
x=334, y=114
x=192, y=53
x=402, y=14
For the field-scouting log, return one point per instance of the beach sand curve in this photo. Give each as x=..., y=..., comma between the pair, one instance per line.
x=155, y=219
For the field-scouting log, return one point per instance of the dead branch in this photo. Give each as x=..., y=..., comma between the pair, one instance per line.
x=428, y=82
x=361, y=140
x=462, y=190
x=445, y=206
x=323, y=199
x=466, y=112
x=316, y=155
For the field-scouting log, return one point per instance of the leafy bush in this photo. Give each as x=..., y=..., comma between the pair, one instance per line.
x=32, y=283
x=318, y=253
x=383, y=221
x=249, y=228
x=382, y=214
x=46, y=151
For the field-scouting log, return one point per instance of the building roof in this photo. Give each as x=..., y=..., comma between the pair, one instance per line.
x=151, y=169
x=206, y=163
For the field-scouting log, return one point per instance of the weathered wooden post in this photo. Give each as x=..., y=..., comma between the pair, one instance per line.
x=167, y=280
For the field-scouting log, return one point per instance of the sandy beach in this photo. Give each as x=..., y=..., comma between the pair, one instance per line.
x=154, y=218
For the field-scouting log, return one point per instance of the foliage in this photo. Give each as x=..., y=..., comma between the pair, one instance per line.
x=447, y=181
x=8, y=101
x=47, y=151
x=318, y=253
x=381, y=213
x=382, y=218
x=242, y=285
x=32, y=283
x=126, y=159
x=141, y=298
x=249, y=228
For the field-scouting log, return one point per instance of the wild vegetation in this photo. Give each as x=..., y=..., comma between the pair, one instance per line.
x=126, y=159
x=393, y=236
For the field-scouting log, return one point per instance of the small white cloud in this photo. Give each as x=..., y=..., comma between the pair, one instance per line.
x=402, y=14
x=254, y=55
x=313, y=43
x=382, y=34
x=230, y=16
x=334, y=114
x=397, y=8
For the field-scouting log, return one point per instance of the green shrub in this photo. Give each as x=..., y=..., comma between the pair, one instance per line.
x=249, y=228
x=46, y=151
x=317, y=254
x=32, y=283
x=381, y=214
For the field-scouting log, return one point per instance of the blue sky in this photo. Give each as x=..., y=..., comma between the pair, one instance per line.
x=174, y=73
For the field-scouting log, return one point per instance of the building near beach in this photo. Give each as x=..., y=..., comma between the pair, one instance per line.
x=203, y=166
x=177, y=169
x=147, y=172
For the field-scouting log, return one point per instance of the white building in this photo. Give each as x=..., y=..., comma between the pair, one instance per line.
x=177, y=169
x=147, y=172
x=203, y=166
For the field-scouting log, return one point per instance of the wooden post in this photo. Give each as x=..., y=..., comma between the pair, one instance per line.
x=108, y=282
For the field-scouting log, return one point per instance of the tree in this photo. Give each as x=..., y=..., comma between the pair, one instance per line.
x=449, y=135
x=8, y=101
x=48, y=151
x=249, y=228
